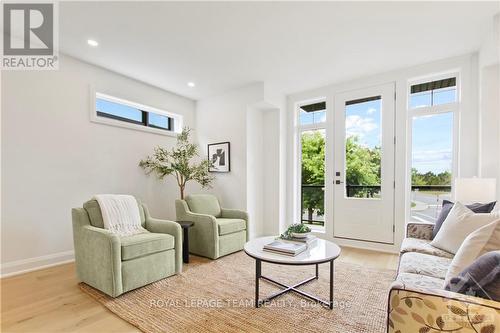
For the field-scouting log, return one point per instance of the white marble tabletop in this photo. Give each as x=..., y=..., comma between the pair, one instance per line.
x=317, y=252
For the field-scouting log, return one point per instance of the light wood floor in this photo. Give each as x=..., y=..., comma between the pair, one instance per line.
x=49, y=300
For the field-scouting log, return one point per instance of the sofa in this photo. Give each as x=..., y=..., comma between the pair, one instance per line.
x=116, y=264
x=216, y=231
x=417, y=299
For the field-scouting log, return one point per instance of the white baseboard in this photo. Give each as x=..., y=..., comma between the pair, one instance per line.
x=32, y=264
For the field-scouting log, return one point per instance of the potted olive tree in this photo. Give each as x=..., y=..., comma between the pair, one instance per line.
x=177, y=162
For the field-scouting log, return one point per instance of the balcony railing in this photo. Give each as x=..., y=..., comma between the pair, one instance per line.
x=425, y=200
x=313, y=203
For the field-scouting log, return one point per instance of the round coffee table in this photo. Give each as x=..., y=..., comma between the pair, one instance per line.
x=319, y=252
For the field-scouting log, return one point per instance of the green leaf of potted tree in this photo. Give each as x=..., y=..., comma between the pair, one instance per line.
x=177, y=162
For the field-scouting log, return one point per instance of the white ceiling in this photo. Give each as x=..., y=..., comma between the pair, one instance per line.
x=291, y=46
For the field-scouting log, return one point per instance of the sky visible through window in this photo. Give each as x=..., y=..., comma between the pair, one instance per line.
x=432, y=143
x=119, y=110
x=158, y=120
x=433, y=97
x=363, y=120
x=432, y=135
x=308, y=118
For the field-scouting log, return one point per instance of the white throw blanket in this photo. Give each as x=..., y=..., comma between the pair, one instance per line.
x=120, y=214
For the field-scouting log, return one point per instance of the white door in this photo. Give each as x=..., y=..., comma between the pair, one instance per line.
x=363, y=189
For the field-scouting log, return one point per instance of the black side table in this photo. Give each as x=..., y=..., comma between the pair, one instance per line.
x=185, y=240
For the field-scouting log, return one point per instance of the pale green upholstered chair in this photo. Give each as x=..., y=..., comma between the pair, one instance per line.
x=115, y=264
x=216, y=231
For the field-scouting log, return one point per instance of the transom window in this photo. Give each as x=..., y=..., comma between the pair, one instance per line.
x=433, y=93
x=313, y=113
x=108, y=108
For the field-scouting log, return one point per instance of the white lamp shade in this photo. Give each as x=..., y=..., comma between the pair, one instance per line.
x=469, y=190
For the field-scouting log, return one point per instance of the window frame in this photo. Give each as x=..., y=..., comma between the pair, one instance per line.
x=175, y=121
x=445, y=107
x=299, y=129
x=453, y=107
x=313, y=126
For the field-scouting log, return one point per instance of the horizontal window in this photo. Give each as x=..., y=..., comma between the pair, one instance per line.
x=433, y=93
x=117, y=111
x=132, y=113
x=313, y=113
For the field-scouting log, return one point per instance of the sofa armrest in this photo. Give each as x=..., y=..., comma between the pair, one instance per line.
x=97, y=255
x=171, y=228
x=421, y=230
x=429, y=310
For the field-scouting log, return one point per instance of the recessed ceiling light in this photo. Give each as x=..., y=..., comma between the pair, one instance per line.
x=191, y=84
x=92, y=42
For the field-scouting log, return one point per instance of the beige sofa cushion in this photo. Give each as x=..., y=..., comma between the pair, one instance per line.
x=461, y=221
x=410, y=280
x=423, y=246
x=479, y=242
x=424, y=264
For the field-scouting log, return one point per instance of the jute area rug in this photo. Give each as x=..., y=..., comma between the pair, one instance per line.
x=218, y=296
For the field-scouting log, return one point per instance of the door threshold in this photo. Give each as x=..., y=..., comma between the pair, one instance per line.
x=366, y=245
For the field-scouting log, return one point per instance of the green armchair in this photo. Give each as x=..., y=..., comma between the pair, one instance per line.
x=216, y=231
x=115, y=264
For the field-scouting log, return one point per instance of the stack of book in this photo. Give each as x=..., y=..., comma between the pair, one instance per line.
x=309, y=239
x=285, y=247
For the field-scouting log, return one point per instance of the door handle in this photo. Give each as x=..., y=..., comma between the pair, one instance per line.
x=337, y=182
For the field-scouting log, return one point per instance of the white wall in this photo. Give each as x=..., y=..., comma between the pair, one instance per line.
x=468, y=131
x=273, y=221
x=223, y=118
x=54, y=158
x=489, y=104
x=252, y=126
x=255, y=170
x=263, y=168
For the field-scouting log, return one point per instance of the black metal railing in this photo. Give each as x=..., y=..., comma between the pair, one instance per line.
x=362, y=191
x=313, y=197
x=312, y=204
x=431, y=188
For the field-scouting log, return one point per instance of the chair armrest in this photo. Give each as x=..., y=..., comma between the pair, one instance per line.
x=171, y=228
x=204, y=232
x=430, y=310
x=97, y=255
x=184, y=214
x=421, y=230
x=234, y=214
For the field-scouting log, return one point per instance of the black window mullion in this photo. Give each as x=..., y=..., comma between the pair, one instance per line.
x=170, y=123
x=145, y=118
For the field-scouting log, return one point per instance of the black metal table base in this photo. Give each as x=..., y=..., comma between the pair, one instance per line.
x=293, y=288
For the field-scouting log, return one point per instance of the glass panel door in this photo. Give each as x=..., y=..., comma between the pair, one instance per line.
x=363, y=193
x=363, y=128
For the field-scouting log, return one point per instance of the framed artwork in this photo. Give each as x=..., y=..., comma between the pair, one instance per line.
x=219, y=154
